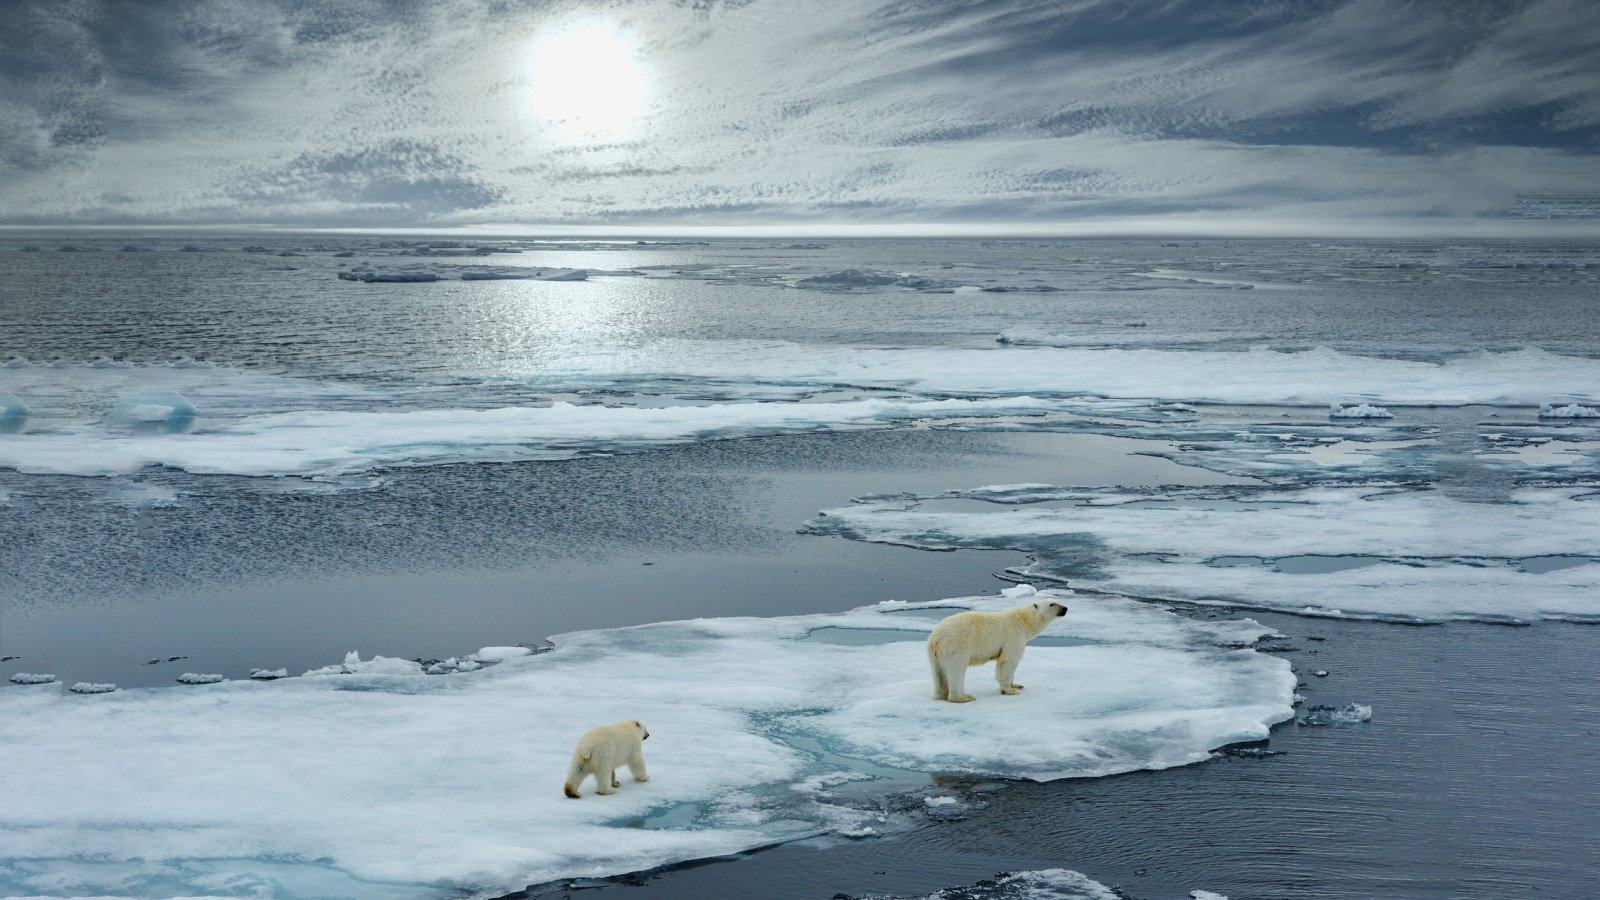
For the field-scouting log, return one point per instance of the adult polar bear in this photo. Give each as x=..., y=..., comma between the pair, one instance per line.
x=601, y=750
x=974, y=637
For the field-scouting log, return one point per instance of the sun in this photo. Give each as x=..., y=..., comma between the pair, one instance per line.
x=587, y=81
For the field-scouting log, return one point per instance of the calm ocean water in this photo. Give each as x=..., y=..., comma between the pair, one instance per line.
x=239, y=459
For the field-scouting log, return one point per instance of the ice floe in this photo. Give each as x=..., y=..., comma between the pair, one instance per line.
x=339, y=442
x=90, y=687
x=1423, y=555
x=1358, y=411
x=1569, y=411
x=200, y=678
x=435, y=272
x=32, y=678
x=1040, y=884
x=452, y=785
x=1257, y=376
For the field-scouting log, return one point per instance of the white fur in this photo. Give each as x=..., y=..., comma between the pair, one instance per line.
x=973, y=638
x=601, y=750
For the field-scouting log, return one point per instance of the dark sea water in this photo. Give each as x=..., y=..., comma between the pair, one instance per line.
x=235, y=458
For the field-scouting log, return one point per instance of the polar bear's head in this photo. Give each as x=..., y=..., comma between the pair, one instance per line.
x=644, y=733
x=1049, y=609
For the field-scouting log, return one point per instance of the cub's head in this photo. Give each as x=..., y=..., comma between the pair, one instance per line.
x=1049, y=609
x=644, y=733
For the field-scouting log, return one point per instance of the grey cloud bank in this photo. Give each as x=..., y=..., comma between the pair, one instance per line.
x=1361, y=118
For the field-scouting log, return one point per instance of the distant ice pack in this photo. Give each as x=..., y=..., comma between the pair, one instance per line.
x=1366, y=551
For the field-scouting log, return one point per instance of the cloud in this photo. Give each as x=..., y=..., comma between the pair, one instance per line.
x=368, y=113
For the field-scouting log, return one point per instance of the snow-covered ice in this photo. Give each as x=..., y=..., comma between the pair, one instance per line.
x=1426, y=554
x=1524, y=377
x=200, y=678
x=91, y=687
x=339, y=442
x=268, y=674
x=1358, y=411
x=452, y=784
x=32, y=678
x=1568, y=411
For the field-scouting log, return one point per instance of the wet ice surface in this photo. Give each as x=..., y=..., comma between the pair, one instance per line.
x=464, y=767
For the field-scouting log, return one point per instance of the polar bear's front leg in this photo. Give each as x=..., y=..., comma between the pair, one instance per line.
x=1005, y=668
x=636, y=766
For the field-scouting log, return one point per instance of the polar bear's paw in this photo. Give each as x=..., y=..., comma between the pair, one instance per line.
x=962, y=698
x=1011, y=689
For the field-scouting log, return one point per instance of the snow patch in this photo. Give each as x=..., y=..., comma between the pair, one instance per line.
x=32, y=678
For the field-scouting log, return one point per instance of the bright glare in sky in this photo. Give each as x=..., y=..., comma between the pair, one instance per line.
x=588, y=81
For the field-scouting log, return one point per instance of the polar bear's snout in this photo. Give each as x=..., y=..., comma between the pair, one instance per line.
x=1060, y=610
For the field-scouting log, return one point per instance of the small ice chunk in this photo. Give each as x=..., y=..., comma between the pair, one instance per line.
x=1349, y=714
x=268, y=674
x=199, y=678
x=1021, y=590
x=90, y=687
x=499, y=654
x=1321, y=673
x=1360, y=411
x=1570, y=411
x=1207, y=895
x=31, y=678
x=940, y=801
x=377, y=665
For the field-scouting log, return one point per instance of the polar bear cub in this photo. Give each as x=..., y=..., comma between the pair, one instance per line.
x=601, y=750
x=974, y=637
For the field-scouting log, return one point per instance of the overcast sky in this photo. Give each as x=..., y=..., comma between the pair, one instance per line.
x=1360, y=117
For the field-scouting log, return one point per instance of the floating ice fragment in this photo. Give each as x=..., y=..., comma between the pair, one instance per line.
x=1021, y=590
x=1207, y=895
x=1321, y=673
x=941, y=801
x=1570, y=411
x=1349, y=714
x=377, y=665
x=90, y=687
x=1042, y=884
x=31, y=678
x=268, y=674
x=1362, y=411
x=499, y=654
x=199, y=678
